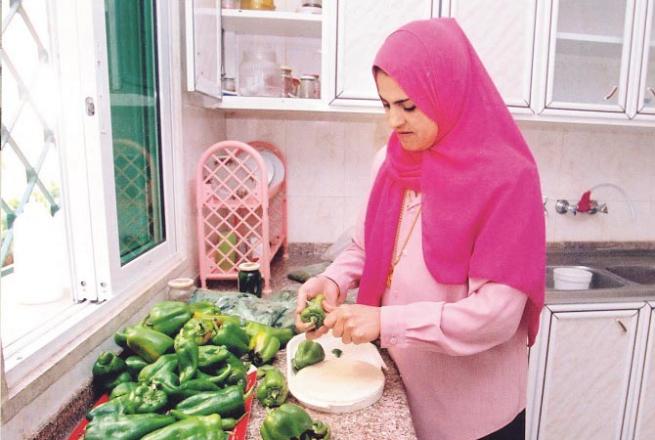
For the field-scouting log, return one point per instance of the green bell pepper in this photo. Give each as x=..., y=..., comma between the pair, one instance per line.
x=135, y=364
x=187, y=358
x=167, y=381
x=263, y=348
x=167, y=362
x=147, y=343
x=118, y=406
x=290, y=421
x=193, y=387
x=228, y=402
x=168, y=317
x=146, y=398
x=313, y=313
x=111, y=382
x=272, y=389
x=308, y=353
x=211, y=355
x=108, y=364
x=204, y=307
x=125, y=427
x=122, y=389
x=192, y=428
x=199, y=330
x=283, y=334
x=233, y=337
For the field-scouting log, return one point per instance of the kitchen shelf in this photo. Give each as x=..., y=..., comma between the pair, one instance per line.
x=589, y=38
x=284, y=24
x=253, y=102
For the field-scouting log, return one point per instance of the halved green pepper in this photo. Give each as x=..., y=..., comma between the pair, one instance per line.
x=125, y=427
x=263, y=348
x=211, y=355
x=313, y=313
x=228, y=402
x=201, y=427
x=272, y=389
x=290, y=421
x=307, y=353
x=168, y=317
x=146, y=342
x=233, y=337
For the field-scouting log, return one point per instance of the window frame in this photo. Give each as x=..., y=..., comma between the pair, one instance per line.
x=90, y=204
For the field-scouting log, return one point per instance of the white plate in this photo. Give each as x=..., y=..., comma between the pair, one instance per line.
x=270, y=168
x=278, y=166
x=367, y=353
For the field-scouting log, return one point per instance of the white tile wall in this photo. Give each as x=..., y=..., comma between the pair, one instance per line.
x=329, y=159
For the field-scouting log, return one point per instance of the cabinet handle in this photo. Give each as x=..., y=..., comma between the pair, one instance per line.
x=622, y=325
x=612, y=92
x=652, y=90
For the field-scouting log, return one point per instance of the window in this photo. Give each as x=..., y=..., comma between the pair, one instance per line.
x=87, y=200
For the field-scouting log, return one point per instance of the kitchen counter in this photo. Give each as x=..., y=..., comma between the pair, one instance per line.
x=388, y=418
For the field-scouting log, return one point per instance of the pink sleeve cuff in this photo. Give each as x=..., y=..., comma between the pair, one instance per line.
x=341, y=279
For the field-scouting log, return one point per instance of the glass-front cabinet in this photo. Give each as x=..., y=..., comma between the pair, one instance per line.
x=589, y=55
x=646, y=98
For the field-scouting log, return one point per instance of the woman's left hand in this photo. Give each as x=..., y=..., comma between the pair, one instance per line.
x=354, y=323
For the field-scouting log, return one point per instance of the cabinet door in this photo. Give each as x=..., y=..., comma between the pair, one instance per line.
x=589, y=51
x=645, y=428
x=203, y=46
x=588, y=365
x=362, y=26
x=502, y=33
x=647, y=79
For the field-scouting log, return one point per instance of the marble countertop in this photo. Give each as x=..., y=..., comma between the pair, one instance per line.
x=388, y=418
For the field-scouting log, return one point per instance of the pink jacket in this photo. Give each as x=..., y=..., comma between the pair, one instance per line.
x=460, y=349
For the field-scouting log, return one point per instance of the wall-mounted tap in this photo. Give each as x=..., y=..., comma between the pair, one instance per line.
x=584, y=205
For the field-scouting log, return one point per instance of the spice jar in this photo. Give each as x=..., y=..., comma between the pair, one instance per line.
x=230, y=4
x=289, y=83
x=229, y=84
x=267, y=5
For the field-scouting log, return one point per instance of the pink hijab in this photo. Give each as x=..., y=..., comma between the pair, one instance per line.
x=482, y=213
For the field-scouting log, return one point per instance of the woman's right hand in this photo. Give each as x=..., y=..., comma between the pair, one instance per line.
x=311, y=288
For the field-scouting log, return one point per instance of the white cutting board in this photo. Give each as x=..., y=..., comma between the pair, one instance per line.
x=360, y=396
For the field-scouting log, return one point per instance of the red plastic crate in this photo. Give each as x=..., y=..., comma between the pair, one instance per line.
x=240, y=430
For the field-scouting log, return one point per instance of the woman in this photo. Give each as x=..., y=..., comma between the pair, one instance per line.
x=450, y=258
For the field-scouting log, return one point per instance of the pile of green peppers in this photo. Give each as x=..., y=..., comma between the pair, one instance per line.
x=181, y=375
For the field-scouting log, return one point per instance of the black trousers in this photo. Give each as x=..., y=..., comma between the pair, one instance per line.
x=514, y=430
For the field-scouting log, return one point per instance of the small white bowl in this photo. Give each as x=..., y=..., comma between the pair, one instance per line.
x=571, y=278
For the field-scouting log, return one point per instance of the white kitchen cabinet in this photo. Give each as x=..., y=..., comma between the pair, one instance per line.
x=645, y=65
x=645, y=425
x=584, y=371
x=203, y=46
x=588, y=59
x=505, y=43
x=361, y=27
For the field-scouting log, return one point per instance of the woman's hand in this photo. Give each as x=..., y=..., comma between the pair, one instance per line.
x=311, y=288
x=354, y=323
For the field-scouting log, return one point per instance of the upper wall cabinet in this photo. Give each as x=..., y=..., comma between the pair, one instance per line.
x=502, y=33
x=588, y=59
x=361, y=27
x=645, y=65
x=203, y=46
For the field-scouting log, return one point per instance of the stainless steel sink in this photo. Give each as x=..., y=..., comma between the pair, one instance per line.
x=601, y=279
x=639, y=274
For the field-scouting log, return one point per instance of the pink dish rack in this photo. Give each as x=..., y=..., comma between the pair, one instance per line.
x=240, y=217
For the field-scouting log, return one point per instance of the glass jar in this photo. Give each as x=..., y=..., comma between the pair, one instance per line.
x=307, y=88
x=267, y=5
x=180, y=289
x=259, y=73
x=287, y=82
x=230, y=4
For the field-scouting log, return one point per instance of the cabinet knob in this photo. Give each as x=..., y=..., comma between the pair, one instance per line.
x=622, y=325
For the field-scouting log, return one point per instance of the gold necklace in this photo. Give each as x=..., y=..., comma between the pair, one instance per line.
x=396, y=255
